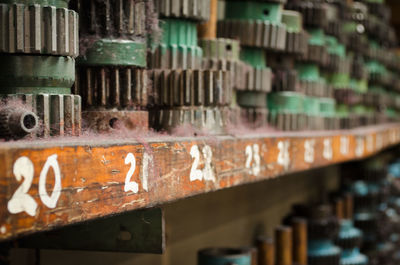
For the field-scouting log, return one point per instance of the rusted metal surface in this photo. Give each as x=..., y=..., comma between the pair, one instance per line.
x=73, y=181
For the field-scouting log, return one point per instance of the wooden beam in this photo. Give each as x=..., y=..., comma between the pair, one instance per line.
x=45, y=185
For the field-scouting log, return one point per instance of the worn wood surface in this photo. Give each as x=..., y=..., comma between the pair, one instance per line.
x=75, y=181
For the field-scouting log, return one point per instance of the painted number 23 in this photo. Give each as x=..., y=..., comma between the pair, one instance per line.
x=21, y=201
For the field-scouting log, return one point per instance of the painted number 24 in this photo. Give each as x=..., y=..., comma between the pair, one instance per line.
x=21, y=201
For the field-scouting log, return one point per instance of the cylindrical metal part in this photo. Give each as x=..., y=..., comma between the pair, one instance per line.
x=348, y=206
x=284, y=245
x=16, y=122
x=223, y=256
x=299, y=241
x=266, y=251
x=339, y=208
x=209, y=30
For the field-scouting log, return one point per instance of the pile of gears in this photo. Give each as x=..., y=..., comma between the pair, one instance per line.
x=357, y=225
x=103, y=65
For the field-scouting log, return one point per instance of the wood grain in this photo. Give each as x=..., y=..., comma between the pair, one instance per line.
x=93, y=172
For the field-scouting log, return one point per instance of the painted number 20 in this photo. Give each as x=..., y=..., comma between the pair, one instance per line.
x=21, y=201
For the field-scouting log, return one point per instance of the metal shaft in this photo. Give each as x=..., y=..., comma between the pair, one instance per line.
x=299, y=241
x=284, y=245
x=266, y=251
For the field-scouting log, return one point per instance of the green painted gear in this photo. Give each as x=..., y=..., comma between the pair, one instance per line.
x=308, y=72
x=286, y=102
x=317, y=37
x=178, y=32
x=327, y=107
x=252, y=99
x=339, y=80
x=253, y=10
x=292, y=20
x=342, y=111
x=220, y=48
x=36, y=74
x=254, y=56
x=115, y=52
x=334, y=47
x=56, y=3
x=311, y=106
x=359, y=85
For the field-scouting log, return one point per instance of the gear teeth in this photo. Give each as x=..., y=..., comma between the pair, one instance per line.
x=254, y=117
x=286, y=80
x=125, y=18
x=258, y=79
x=314, y=12
x=121, y=87
x=287, y=121
x=260, y=34
x=237, y=70
x=35, y=29
x=212, y=120
x=184, y=9
x=315, y=54
x=177, y=88
x=59, y=115
x=173, y=58
x=316, y=89
x=296, y=42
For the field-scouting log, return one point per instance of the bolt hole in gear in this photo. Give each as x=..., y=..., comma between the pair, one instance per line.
x=114, y=123
x=29, y=122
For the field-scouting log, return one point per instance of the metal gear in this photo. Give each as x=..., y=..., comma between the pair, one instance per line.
x=36, y=29
x=261, y=34
x=192, y=88
x=17, y=122
x=109, y=18
x=183, y=9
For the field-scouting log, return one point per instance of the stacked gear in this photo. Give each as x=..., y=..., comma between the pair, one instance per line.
x=220, y=256
x=323, y=228
x=371, y=211
x=224, y=54
x=349, y=238
x=286, y=102
x=39, y=43
x=184, y=93
x=259, y=28
x=382, y=62
x=319, y=104
x=394, y=202
x=111, y=75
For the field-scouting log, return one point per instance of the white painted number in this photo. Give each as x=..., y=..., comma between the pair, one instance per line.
x=359, y=146
x=284, y=156
x=207, y=173
x=50, y=201
x=309, y=146
x=130, y=186
x=328, y=151
x=21, y=201
x=370, y=143
x=379, y=141
x=253, y=161
x=145, y=171
x=344, y=145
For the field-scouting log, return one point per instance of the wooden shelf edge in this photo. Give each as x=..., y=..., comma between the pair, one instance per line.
x=49, y=185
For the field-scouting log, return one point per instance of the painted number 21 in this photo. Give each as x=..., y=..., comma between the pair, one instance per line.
x=21, y=201
x=253, y=160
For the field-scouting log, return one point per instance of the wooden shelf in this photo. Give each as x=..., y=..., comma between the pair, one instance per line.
x=44, y=185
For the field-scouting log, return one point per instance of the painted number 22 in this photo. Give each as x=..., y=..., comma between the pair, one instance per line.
x=207, y=173
x=21, y=201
